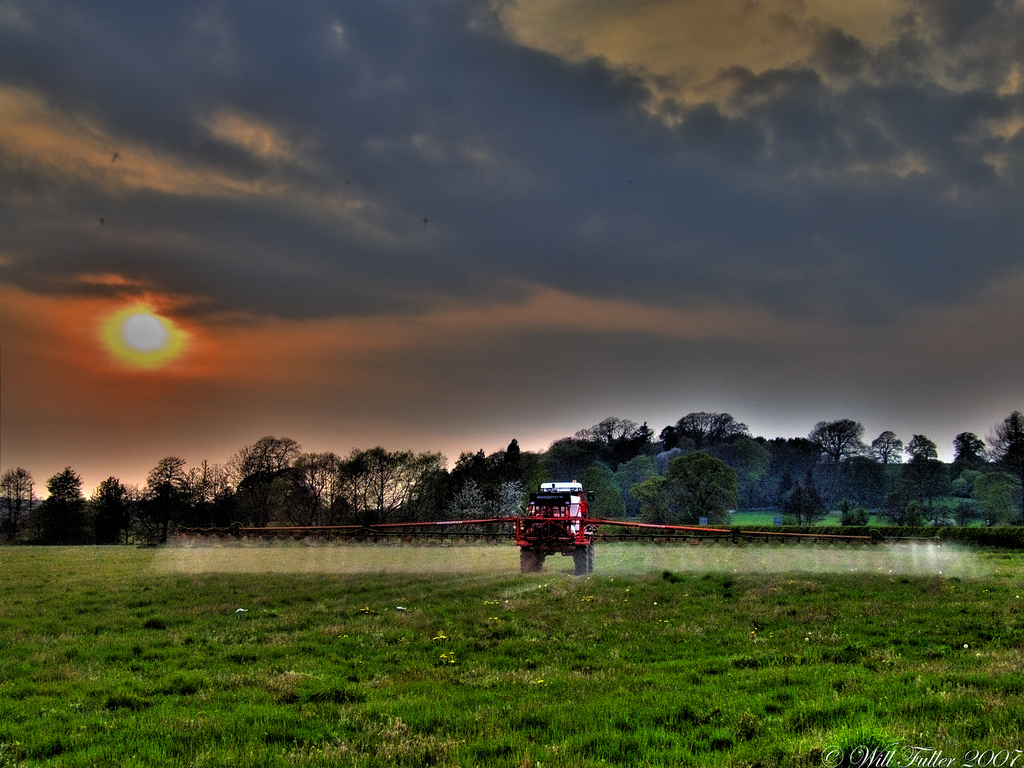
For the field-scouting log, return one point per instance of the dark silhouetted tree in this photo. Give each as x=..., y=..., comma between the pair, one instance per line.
x=61, y=518
x=608, y=430
x=790, y=459
x=921, y=447
x=750, y=458
x=703, y=430
x=1007, y=444
x=928, y=478
x=111, y=514
x=565, y=459
x=166, y=498
x=838, y=440
x=968, y=453
x=314, y=478
x=210, y=499
x=376, y=484
x=887, y=448
x=862, y=480
x=804, y=503
x=261, y=475
x=16, y=499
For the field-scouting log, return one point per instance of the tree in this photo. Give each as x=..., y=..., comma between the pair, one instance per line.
x=963, y=485
x=750, y=458
x=16, y=486
x=622, y=449
x=608, y=430
x=1007, y=443
x=887, y=448
x=790, y=459
x=968, y=452
x=315, y=477
x=928, y=477
x=260, y=473
x=475, y=467
x=900, y=507
x=375, y=484
x=565, y=459
x=838, y=440
x=863, y=481
x=804, y=503
x=654, y=500
x=966, y=512
x=997, y=495
x=603, y=497
x=923, y=449
x=61, y=518
x=699, y=486
x=704, y=430
x=209, y=497
x=516, y=465
x=429, y=499
x=268, y=455
x=468, y=503
x=111, y=516
x=510, y=498
x=629, y=473
x=166, y=497
x=854, y=516
x=664, y=458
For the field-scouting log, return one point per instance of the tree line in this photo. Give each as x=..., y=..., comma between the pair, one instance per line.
x=697, y=468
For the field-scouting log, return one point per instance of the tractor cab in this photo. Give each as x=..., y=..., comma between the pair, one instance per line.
x=558, y=500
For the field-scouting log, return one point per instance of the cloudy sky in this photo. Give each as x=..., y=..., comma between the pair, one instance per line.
x=440, y=225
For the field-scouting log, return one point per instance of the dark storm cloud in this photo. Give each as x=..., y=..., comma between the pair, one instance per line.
x=423, y=155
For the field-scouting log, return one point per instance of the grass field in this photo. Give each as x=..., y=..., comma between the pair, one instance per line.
x=757, y=655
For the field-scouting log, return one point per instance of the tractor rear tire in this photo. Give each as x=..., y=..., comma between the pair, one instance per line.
x=590, y=558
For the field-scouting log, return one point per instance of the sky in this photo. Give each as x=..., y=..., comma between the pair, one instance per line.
x=442, y=225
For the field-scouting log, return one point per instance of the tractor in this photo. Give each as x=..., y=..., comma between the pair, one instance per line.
x=556, y=523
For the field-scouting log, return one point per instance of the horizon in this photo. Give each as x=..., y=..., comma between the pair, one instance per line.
x=93, y=478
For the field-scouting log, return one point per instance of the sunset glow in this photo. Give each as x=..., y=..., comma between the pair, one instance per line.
x=141, y=338
x=443, y=226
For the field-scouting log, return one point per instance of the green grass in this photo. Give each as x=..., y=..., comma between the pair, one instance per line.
x=760, y=655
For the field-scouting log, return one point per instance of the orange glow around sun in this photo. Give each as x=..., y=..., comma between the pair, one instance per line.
x=140, y=337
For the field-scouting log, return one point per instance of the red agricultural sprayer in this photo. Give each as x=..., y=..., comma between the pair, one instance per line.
x=556, y=522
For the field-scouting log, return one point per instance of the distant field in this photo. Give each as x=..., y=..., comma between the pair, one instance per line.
x=360, y=655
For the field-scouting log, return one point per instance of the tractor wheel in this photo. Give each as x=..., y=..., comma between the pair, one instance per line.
x=530, y=561
x=590, y=558
x=579, y=561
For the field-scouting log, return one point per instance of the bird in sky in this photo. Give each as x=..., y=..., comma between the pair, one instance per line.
x=114, y=157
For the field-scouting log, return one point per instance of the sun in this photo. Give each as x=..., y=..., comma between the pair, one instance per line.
x=142, y=338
